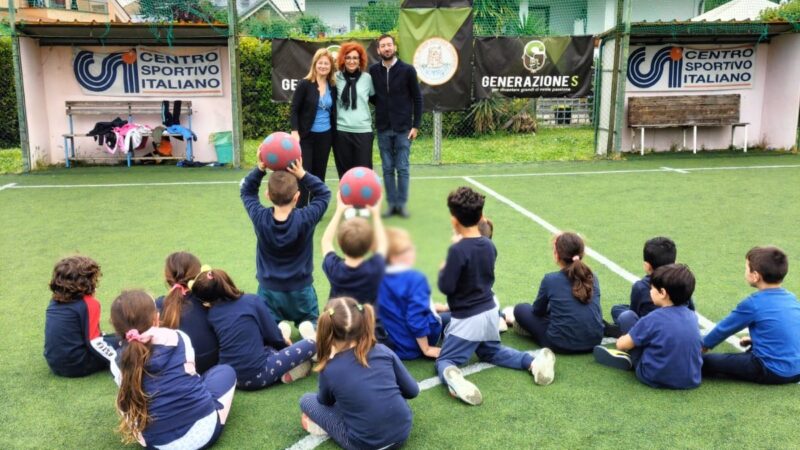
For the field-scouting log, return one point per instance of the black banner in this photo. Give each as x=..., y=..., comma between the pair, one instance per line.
x=291, y=60
x=436, y=4
x=533, y=66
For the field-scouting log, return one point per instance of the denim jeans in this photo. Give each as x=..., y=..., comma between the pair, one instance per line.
x=395, y=148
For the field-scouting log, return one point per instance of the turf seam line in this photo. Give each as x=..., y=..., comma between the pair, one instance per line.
x=704, y=322
x=6, y=186
x=434, y=177
x=670, y=169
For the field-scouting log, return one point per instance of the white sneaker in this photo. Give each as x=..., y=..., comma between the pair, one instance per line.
x=307, y=330
x=508, y=313
x=311, y=427
x=460, y=388
x=502, y=326
x=363, y=212
x=301, y=371
x=286, y=330
x=543, y=367
x=349, y=213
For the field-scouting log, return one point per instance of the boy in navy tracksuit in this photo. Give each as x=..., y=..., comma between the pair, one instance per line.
x=658, y=251
x=772, y=316
x=664, y=346
x=74, y=346
x=284, y=234
x=466, y=279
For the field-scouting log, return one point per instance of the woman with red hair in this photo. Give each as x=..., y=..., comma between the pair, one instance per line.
x=352, y=146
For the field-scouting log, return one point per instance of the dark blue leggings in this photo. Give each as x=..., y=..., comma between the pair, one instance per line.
x=278, y=363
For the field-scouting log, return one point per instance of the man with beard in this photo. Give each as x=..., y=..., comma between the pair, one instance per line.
x=398, y=112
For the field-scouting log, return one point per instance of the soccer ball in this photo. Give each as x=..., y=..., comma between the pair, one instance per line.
x=360, y=187
x=278, y=150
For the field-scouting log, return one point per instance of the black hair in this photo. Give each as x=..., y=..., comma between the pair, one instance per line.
x=677, y=280
x=770, y=262
x=660, y=251
x=466, y=206
x=384, y=36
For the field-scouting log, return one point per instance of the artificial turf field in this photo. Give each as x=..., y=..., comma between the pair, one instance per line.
x=715, y=207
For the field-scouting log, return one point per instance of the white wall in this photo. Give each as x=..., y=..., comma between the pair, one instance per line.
x=781, y=93
x=50, y=82
x=335, y=13
x=602, y=13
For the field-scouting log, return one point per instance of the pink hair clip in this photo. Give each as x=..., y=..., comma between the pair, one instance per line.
x=576, y=258
x=180, y=287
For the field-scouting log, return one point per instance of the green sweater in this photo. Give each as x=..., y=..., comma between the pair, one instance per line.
x=357, y=120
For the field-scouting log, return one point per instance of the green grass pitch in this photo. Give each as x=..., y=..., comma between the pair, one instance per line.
x=715, y=212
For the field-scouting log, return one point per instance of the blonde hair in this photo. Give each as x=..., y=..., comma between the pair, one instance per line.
x=312, y=71
x=345, y=320
x=399, y=241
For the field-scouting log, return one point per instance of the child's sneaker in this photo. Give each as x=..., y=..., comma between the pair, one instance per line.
x=612, y=358
x=519, y=330
x=349, y=213
x=611, y=330
x=460, y=388
x=508, y=313
x=363, y=212
x=311, y=427
x=543, y=367
x=307, y=330
x=502, y=326
x=301, y=371
x=286, y=330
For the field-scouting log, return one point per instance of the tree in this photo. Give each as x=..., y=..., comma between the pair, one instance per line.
x=202, y=11
x=787, y=12
x=379, y=16
x=311, y=26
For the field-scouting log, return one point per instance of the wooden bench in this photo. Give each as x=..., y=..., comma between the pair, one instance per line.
x=108, y=110
x=686, y=111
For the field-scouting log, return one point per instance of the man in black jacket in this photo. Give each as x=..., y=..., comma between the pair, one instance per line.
x=398, y=112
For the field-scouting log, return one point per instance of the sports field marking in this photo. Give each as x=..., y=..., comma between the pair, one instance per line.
x=310, y=441
x=704, y=322
x=433, y=177
x=6, y=186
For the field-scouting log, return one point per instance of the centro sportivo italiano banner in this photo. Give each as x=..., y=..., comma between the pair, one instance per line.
x=657, y=68
x=533, y=66
x=291, y=60
x=145, y=72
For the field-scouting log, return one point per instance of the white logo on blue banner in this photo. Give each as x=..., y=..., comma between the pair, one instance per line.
x=145, y=72
x=701, y=67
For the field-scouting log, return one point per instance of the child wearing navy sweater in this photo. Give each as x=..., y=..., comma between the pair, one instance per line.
x=249, y=338
x=162, y=401
x=772, y=316
x=74, y=346
x=404, y=302
x=363, y=386
x=180, y=309
x=658, y=251
x=285, y=235
x=663, y=346
x=466, y=278
x=566, y=315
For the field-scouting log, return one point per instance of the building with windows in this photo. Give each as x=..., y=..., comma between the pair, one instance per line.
x=67, y=10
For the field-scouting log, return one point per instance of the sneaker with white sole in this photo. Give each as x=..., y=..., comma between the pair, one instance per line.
x=502, y=326
x=460, y=388
x=286, y=330
x=301, y=371
x=311, y=427
x=508, y=313
x=543, y=367
x=307, y=330
x=519, y=330
x=612, y=358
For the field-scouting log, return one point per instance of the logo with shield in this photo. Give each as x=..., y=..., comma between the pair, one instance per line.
x=534, y=56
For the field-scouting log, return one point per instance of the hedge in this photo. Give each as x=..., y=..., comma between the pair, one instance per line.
x=9, y=129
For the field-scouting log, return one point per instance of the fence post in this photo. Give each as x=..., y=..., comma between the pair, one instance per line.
x=22, y=117
x=437, y=137
x=236, y=91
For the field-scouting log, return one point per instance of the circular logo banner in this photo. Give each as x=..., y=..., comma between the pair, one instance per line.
x=436, y=61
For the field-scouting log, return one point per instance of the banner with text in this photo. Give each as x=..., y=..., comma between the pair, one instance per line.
x=145, y=72
x=533, y=66
x=659, y=68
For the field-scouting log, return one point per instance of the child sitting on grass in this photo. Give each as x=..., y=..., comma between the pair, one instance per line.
x=249, y=338
x=466, y=278
x=74, y=346
x=772, y=315
x=363, y=386
x=404, y=302
x=663, y=346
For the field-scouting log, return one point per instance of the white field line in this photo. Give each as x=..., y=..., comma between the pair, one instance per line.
x=705, y=323
x=434, y=177
x=310, y=441
x=6, y=186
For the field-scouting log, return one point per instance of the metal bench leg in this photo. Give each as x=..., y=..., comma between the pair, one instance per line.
x=642, y=148
x=694, y=139
x=66, y=153
x=684, y=139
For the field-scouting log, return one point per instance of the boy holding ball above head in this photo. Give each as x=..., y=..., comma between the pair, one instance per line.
x=466, y=278
x=664, y=345
x=284, y=235
x=772, y=316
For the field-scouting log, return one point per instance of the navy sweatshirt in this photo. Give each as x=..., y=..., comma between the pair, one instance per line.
x=360, y=283
x=284, y=250
x=194, y=322
x=371, y=399
x=641, y=303
x=468, y=276
x=244, y=327
x=574, y=326
x=397, y=97
x=71, y=331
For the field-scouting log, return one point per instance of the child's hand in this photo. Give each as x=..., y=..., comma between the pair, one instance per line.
x=261, y=166
x=704, y=349
x=746, y=341
x=296, y=168
x=432, y=352
x=296, y=135
x=375, y=210
x=340, y=204
x=440, y=307
x=288, y=342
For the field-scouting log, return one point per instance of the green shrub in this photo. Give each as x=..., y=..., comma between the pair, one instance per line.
x=381, y=16
x=9, y=126
x=788, y=12
x=260, y=115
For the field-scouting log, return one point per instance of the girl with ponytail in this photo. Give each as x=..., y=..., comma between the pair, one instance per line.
x=566, y=315
x=182, y=310
x=162, y=401
x=249, y=338
x=363, y=386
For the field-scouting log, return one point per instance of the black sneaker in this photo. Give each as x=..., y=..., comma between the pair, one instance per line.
x=389, y=212
x=612, y=358
x=402, y=212
x=611, y=330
